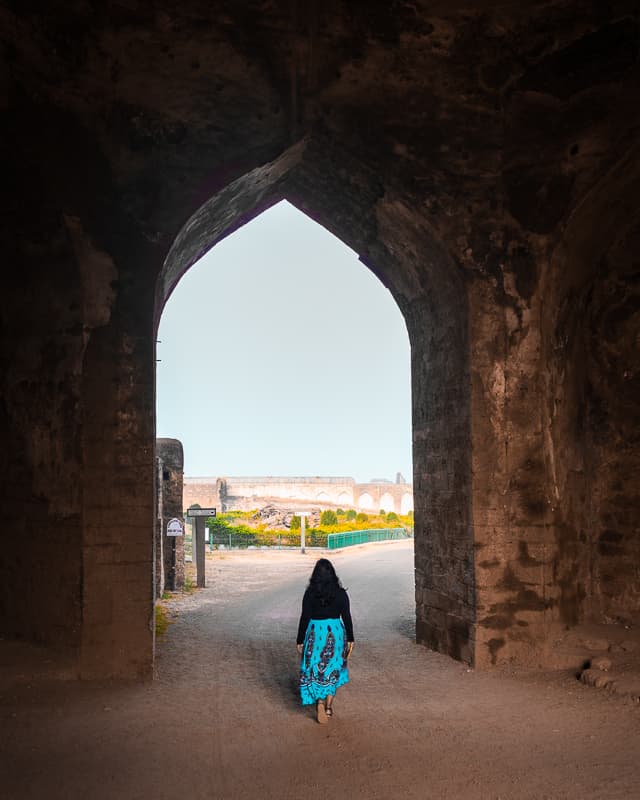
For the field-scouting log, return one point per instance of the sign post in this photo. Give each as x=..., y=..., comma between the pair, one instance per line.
x=303, y=515
x=200, y=514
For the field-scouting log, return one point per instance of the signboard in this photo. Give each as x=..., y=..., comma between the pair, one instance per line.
x=201, y=512
x=175, y=527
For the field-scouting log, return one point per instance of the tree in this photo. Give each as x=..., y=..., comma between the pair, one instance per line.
x=295, y=523
x=328, y=518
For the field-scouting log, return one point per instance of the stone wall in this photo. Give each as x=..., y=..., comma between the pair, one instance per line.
x=593, y=408
x=244, y=493
x=484, y=164
x=41, y=352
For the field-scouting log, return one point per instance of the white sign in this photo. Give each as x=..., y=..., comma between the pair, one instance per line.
x=301, y=513
x=201, y=512
x=175, y=527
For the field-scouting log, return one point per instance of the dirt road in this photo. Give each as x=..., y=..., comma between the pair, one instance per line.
x=223, y=720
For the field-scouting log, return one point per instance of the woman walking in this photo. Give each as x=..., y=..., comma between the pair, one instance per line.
x=325, y=639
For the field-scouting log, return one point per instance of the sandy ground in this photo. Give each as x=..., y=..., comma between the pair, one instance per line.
x=222, y=719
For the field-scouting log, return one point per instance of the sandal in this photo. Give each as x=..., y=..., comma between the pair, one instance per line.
x=328, y=705
x=321, y=714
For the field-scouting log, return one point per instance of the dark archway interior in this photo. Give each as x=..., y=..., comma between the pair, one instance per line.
x=482, y=160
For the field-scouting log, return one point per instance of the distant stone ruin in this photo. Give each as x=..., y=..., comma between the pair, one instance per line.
x=276, y=518
x=246, y=493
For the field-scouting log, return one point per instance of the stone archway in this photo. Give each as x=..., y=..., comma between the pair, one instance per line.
x=459, y=152
x=346, y=197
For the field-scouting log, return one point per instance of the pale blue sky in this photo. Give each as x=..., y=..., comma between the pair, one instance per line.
x=281, y=354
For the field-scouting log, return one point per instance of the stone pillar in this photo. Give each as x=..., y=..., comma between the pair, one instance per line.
x=221, y=494
x=119, y=503
x=513, y=539
x=170, y=454
x=119, y=508
x=445, y=584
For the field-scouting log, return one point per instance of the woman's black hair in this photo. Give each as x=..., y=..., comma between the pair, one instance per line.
x=324, y=583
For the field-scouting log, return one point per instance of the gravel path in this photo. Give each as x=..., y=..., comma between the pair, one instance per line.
x=222, y=720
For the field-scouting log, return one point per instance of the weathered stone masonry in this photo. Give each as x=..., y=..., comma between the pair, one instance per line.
x=252, y=492
x=483, y=161
x=169, y=554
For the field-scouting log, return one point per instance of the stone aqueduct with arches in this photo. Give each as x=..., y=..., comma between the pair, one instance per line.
x=252, y=492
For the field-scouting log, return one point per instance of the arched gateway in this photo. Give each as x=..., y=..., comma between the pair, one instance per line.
x=397, y=248
x=461, y=155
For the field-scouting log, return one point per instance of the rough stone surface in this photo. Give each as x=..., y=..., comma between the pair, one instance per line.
x=483, y=161
x=601, y=663
x=274, y=517
x=169, y=549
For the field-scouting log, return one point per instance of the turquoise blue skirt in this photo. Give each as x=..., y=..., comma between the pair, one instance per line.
x=323, y=667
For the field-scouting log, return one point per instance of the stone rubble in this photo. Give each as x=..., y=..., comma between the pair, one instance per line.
x=274, y=517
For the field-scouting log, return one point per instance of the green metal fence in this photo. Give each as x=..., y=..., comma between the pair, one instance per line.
x=228, y=539
x=336, y=540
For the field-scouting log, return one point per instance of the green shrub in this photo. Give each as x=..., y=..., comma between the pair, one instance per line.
x=295, y=523
x=392, y=517
x=328, y=518
x=162, y=621
x=362, y=517
x=351, y=515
